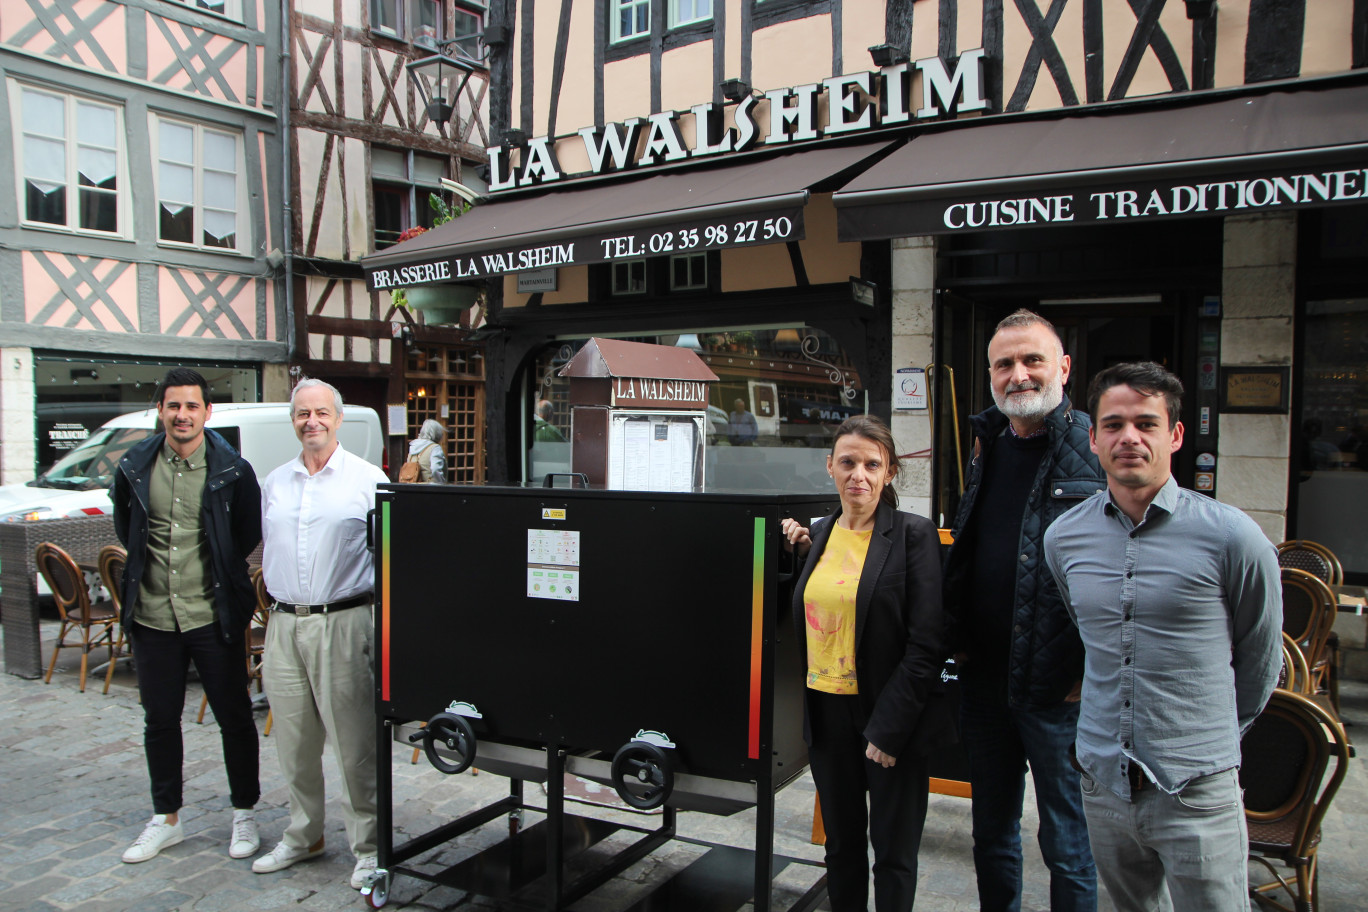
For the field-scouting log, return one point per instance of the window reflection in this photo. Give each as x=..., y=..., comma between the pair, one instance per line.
x=1331, y=450
x=780, y=395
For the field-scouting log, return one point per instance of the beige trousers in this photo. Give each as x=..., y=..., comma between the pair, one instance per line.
x=318, y=678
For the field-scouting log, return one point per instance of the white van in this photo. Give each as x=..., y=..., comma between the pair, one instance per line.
x=78, y=484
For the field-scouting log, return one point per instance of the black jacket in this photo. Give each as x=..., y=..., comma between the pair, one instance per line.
x=1046, y=657
x=898, y=625
x=230, y=515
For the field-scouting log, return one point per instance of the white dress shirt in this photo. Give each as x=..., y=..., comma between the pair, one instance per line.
x=314, y=529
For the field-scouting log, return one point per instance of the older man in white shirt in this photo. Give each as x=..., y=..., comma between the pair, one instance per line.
x=318, y=645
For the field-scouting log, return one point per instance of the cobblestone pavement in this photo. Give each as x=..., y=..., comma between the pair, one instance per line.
x=74, y=794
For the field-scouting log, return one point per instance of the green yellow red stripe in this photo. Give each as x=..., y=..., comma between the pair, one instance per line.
x=385, y=601
x=757, y=661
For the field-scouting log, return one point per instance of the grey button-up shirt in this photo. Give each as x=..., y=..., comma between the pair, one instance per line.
x=1181, y=617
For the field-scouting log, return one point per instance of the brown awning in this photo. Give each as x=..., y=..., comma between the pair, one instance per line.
x=687, y=211
x=1281, y=149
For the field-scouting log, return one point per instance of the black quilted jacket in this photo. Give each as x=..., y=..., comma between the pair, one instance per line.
x=1046, y=657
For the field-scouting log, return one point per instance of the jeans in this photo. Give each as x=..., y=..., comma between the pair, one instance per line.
x=1192, y=844
x=897, y=810
x=1001, y=742
x=163, y=657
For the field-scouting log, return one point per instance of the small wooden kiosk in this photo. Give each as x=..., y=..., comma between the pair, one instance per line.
x=639, y=415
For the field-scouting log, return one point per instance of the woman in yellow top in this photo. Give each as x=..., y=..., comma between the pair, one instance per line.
x=868, y=601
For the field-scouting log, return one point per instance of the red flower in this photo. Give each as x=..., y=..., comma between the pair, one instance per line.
x=409, y=233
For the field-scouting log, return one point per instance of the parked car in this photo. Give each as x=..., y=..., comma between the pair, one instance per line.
x=78, y=484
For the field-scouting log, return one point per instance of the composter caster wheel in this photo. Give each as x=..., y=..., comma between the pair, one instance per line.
x=642, y=776
x=376, y=889
x=455, y=734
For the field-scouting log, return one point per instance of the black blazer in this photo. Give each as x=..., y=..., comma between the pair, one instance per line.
x=898, y=633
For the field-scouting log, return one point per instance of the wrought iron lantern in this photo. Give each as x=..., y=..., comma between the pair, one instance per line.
x=440, y=80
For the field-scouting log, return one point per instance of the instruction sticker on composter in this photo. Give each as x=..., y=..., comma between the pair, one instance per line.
x=553, y=564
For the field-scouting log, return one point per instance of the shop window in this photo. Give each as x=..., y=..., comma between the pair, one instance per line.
x=689, y=272
x=629, y=277
x=71, y=161
x=1331, y=449
x=401, y=184
x=75, y=395
x=418, y=21
x=685, y=12
x=198, y=192
x=771, y=416
x=467, y=27
x=230, y=8
x=631, y=18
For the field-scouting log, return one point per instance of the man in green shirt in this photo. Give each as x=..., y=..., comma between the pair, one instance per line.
x=188, y=509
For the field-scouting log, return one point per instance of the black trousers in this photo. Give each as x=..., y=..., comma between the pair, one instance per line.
x=163, y=658
x=897, y=810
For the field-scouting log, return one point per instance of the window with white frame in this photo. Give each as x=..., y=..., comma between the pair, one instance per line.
x=686, y=12
x=631, y=18
x=199, y=196
x=70, y=161
x=468, y=25
x=688, y=271
x=629, y=277
x=401, y=184
x=230, y=8
x=418, y=21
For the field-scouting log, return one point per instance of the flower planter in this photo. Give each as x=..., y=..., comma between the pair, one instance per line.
x=441, y=303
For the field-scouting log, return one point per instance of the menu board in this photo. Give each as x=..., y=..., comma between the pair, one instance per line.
x=655, y=452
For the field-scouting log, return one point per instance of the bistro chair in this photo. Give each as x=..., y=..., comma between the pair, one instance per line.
x=69, y=590
x=111, y=561
x=257, y=648
x=1309, y=610
x=255, y=645
x=1319, y=561
x=1285, y=757
x=1313, y=558
x=1296, y=675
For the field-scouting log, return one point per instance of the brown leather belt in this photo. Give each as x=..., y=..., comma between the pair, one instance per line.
x=1139, y=782
x=306, y=610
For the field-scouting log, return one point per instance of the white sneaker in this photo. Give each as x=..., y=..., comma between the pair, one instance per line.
x=365, y=867
x=246, y=840
x=157, y=835
x=282, y=856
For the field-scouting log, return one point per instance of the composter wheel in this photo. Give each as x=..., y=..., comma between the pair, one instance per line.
x=455, y=734
x=377, y=891
x=642, y=776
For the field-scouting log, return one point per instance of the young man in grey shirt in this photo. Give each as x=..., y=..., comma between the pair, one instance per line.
x=1178, y=601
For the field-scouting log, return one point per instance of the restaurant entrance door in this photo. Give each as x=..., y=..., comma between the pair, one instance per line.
x=1096, y=332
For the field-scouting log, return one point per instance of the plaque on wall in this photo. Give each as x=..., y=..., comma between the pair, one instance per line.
x=1254, y=390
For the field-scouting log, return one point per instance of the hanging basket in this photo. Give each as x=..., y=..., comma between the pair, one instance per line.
x=441, y=303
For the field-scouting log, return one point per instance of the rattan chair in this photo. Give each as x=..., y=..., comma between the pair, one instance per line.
x=1314, y=558
x=256, y=645
x=94, y=621
x=1285, y=756
x=1296, y=675
x=1321, y=562
x=1309, y=610
x=111, y=562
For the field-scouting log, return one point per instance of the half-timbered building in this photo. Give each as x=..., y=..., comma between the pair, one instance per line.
x=835, y=201
x=141, y=226
x=367, y=150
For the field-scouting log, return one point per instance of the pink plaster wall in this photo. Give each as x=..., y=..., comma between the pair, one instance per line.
x=173, y=302
x=40, y=289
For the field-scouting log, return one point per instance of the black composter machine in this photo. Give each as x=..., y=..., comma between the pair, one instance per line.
x=641, y=640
